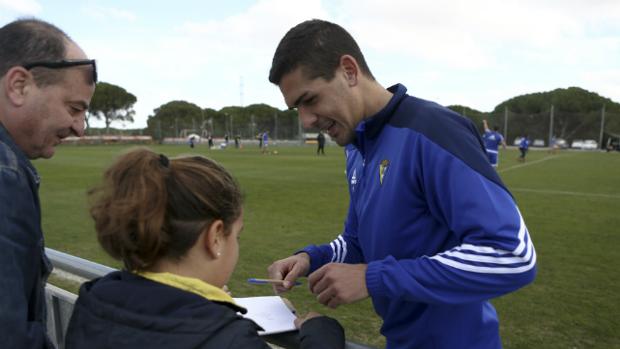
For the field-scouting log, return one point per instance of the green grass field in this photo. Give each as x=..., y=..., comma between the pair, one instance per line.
x=570, y=202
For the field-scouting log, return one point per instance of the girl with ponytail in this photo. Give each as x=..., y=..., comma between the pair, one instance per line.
x=175, y=225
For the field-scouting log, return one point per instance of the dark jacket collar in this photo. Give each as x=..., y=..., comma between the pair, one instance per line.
x=146, y=311
x=367, y=130
x=373, y=125
x=6, y=138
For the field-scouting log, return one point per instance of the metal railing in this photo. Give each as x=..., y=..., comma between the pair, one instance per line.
x=60, y=302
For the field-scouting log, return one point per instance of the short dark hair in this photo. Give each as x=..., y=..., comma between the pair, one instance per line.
x=317, y=46
x=29, y=40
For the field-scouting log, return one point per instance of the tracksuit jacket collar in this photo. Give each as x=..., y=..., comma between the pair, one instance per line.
x=370, y=128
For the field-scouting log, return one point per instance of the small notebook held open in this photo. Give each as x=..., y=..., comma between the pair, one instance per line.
x=269, y=312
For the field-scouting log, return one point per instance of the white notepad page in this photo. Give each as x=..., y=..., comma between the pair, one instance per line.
x=269, y=312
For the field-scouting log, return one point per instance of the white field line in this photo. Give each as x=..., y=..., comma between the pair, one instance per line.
x=555, y=192
x=571, y=193
x=550, y=157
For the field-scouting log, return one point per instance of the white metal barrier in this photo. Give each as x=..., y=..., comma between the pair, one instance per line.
x=60, y=302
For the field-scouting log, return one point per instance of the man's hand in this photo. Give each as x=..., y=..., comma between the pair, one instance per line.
x=289, y=269
x=338, y=283
x=485, y=125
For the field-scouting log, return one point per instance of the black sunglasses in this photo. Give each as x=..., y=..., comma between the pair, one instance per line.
x=64, y=64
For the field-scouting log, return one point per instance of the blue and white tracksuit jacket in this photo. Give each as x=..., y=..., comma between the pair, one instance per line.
x=438, y=229
x=492, y=140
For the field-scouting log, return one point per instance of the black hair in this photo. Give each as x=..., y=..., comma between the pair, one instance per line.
x=316, y=46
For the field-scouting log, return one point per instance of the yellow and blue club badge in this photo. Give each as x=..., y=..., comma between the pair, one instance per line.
x=383, y=169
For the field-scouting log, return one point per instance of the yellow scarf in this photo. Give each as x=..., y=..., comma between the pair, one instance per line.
x=189, y=284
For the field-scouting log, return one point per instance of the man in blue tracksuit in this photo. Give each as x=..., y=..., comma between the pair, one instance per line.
x=524, y=145
x=492, y=139
x=265, y=138
x=432, y=233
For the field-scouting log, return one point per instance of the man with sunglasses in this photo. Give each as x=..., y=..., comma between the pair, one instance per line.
x=46, y=84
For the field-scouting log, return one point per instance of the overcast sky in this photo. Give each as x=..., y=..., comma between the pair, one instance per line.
x=218, y=53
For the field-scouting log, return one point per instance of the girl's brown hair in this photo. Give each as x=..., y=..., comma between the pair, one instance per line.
x=149, y=206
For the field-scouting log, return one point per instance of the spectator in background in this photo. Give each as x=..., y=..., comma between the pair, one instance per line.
x=320, y=139
x=265, y=138
x=524, y=145
x=210, y=141
x=492, y=140
x=611, y=145
x=553, y=146
x=46, y=84
x=175, y=225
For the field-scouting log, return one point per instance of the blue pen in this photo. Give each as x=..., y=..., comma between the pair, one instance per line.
x=269, y=281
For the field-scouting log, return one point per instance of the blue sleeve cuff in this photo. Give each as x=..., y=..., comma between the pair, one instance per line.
x=374, y=282
x=317, y=257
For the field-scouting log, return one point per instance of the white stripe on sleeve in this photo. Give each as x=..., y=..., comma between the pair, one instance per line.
x=344, y=248
x=333, y=246
x=502, y=258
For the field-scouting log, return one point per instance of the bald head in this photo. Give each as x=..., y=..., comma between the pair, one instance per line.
x=31, y=40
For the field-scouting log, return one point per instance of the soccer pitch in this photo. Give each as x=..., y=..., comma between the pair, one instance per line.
x=570, y=203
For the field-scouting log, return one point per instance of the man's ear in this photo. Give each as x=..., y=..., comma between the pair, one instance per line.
x=213, y=239
x=350, y=69
x=17, y=83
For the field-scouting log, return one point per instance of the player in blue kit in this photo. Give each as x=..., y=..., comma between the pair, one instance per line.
x=431, y=233
x=492, y=140
x=265, y=141
x=524, y=145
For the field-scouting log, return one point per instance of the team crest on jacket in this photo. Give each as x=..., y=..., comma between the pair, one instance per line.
x=354, y=179
x=383, y=169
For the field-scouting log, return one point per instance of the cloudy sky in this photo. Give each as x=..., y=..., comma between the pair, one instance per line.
x=218, y=53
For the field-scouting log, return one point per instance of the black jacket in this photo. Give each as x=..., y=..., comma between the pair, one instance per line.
x=123, y=310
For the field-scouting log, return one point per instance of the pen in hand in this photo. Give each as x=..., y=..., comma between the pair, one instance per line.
x=269, y=281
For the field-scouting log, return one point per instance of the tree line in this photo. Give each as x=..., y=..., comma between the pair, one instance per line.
x=178, y=118
x=572, y=113
x=576, y=113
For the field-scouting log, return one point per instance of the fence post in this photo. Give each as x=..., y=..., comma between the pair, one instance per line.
x=600, y=137
x=299, y=131
x=551, y=125
x=506, y=124
x=231, y=125
x=275, y=133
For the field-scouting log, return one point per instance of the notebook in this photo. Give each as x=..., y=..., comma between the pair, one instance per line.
x=269, y=312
